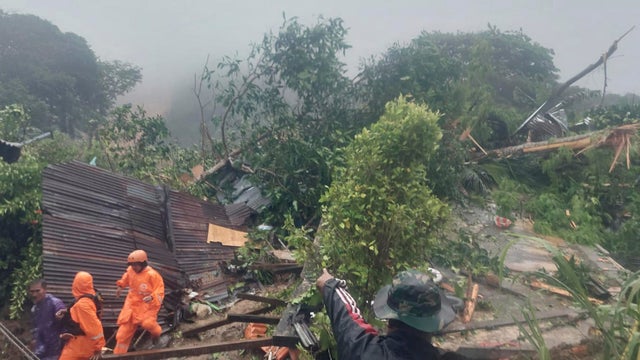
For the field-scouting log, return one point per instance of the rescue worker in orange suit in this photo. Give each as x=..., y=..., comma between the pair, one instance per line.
x=146, y=293
x=84, y=312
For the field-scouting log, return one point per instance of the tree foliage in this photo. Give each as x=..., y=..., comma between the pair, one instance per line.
x=20, y=206
x=487, y=82
x=380, y=215
x=20, y=197
x=464, y=75
x=56, y=76
x=287, y=107
x=614, y=115
x=135, y=144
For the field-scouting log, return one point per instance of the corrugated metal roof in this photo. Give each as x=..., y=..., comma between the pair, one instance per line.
x=246, y=193
x=94, y=218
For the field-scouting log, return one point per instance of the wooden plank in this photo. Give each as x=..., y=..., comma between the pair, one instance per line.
x=492, y=324
x=494, y=353
x=470, y=302
x=559, y=291
x=191, y=350
x=262, y=299
x=253, y=318
x=284, y=255
x=228, y=237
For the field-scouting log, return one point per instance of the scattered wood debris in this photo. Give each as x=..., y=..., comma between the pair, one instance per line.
x=558, y=291
x=470, y=300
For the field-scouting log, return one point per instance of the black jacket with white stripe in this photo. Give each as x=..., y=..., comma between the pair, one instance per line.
x=359, y=340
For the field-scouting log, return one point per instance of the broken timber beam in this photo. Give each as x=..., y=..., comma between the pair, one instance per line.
x=559, y=291
x=572, y=142
x=612, y=137
x=272, y=320
x=262, y=299
x=492, y=324
x=470, y=301
x=193, y=350
x=225, y=321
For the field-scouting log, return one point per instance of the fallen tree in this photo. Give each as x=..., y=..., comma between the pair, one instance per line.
x=555, y=96
x=618, y=138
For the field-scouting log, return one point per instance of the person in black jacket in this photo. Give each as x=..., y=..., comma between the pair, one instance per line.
x=414, y=305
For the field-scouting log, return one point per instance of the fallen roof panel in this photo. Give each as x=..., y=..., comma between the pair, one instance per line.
x=94, y=218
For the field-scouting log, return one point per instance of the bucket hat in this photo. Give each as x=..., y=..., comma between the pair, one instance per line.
x=416, y=300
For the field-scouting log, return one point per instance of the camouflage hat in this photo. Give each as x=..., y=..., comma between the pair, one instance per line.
x=416, y=300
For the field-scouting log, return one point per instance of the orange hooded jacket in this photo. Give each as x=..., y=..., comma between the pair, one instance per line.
x=84, y=313
x=148, y=282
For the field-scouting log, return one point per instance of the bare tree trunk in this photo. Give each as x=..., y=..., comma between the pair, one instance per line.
x=204, y=129
x=555, y=95
x=572, y=142
x=616, y=137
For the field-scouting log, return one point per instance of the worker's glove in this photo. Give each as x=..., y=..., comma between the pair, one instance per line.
x=147, y=298
x=341, y=283
x=118, y=291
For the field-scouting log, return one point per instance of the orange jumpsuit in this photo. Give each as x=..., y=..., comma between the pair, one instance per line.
x=136, y=312
x=82, y=347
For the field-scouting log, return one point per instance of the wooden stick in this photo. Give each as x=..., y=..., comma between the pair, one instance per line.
x=447, y=287
x=628, y=148
x=558, y=291
x=617, y=155
x=478, y=145
x=470, y=302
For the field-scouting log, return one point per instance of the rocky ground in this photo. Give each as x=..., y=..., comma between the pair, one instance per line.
x=566, y=332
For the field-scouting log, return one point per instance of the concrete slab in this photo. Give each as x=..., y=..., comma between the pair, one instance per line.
x=527, y=256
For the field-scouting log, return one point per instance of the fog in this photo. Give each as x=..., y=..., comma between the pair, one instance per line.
x=170, y=40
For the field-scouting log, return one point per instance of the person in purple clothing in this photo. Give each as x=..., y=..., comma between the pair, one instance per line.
x=46, y=327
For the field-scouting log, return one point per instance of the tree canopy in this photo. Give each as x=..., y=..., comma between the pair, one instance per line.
x=56, y=75
x=287, y=108
x=489, y=80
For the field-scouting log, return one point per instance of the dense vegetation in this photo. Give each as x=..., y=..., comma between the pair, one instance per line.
x=376, y=159
x=56, y=76
x=381, y=216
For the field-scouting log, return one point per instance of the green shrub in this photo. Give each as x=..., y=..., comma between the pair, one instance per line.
x=379, y=215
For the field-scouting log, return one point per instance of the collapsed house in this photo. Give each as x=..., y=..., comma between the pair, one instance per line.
x=92, y=220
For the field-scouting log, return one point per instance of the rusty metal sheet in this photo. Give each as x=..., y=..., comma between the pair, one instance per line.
x=94, y=218
x=196, y=350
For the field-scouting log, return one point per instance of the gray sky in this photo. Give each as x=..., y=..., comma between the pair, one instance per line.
x=170, y=40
